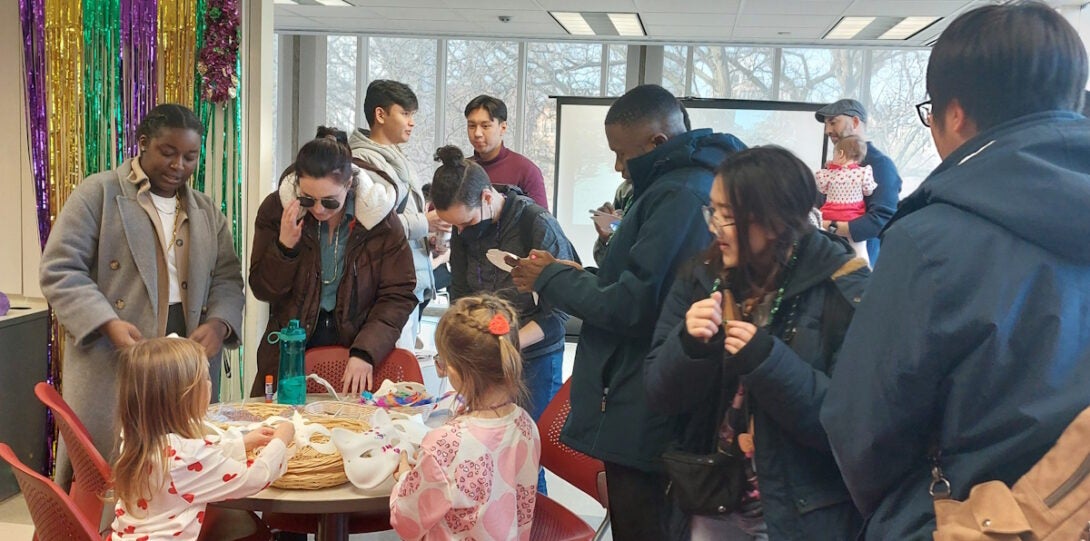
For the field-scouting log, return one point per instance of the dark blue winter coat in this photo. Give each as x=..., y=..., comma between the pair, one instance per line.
x=975, y=330
x=802, y=492
x=620, y=303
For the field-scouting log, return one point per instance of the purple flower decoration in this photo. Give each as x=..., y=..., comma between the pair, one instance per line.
x=217, y=58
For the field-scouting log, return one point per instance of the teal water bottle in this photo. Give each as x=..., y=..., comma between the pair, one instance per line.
x=292, y=381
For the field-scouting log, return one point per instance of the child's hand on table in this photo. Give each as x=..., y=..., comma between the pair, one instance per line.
x=258, y=437
x=286, y=432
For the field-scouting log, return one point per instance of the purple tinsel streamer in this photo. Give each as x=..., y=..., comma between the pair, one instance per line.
x=32, y=19
x=139, y=40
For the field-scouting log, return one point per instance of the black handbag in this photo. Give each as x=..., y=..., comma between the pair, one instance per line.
x=708, y=484
x=711, y=484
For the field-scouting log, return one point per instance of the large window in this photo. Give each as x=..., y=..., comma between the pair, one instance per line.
x=340, y=77
x=555, y=69
x=411, y=61
x=675, y=62
x=821, y=75
x=732, y=72
x=617, y=74
x=475, y=68
x=898, y=83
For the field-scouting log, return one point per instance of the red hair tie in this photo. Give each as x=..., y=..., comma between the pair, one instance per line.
x=499, y=325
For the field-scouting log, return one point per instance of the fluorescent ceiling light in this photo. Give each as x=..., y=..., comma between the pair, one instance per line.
x=600, y=24
x=848, y=27
x=908, y=27
x=627, y=24
x=573, y=23
x=338, y=3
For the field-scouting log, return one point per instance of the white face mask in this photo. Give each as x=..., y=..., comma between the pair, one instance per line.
x=371, y=458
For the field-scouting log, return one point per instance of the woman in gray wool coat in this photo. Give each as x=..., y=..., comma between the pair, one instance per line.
x=135, y=253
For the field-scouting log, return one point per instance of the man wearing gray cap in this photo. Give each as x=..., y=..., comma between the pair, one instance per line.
x=848, y=117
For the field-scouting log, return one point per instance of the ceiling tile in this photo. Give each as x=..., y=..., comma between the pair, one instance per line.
x=688, y=19
x=778, y=7
x=691, y=6
x=787, y=21
x=591, y=5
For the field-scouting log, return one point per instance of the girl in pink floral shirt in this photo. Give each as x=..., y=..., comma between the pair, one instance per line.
x=476, y=476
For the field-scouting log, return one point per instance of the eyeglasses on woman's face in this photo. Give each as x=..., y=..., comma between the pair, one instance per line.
x=923, y=110
x=713, y=219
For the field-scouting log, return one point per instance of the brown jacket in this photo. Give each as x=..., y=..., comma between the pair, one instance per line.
x=375, y=297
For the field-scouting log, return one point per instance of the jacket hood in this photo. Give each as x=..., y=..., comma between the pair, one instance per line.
x=389, y=158
x=359, y=137
x=697, y=148
x=820, y=256
x=374, y=196
x=1030, y=176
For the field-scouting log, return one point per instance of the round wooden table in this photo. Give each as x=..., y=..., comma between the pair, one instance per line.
x=332, y=505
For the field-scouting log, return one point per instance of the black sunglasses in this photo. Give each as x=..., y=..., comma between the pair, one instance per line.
x=330, y=203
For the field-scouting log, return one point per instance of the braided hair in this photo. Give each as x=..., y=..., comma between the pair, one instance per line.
x=478, y=337
x=168, y=115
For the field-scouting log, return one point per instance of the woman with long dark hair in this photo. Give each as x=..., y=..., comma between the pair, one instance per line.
x=747, y=378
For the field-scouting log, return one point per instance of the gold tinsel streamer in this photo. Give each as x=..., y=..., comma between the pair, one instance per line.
x=64, y=98
x=177, y=54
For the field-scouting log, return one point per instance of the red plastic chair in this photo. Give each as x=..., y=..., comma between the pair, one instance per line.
x=91, y=472
x=55, y=515
x=329, y=362
x=554, y=522
x=585, y=473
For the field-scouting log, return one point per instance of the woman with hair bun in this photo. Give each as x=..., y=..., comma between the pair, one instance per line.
x=328, y=252
x=487, y=217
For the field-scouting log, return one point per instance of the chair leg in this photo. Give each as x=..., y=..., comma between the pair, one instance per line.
x=602, y=528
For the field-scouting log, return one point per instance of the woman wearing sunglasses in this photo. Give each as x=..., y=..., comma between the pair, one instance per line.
x=328, y=252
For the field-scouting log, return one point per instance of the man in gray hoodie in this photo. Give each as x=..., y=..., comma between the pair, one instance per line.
x=389, y=108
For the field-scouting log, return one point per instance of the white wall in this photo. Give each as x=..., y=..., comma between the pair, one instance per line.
x=19, y=249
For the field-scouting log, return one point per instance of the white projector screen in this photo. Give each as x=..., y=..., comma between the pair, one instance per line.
x=584, y=164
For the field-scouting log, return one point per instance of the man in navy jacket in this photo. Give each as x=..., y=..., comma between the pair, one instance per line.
x=973, y=338
x=671, y=170
x=848, y=117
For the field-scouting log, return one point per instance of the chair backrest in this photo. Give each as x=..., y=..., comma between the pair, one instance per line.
x=91, y=472
x=554, y=522
x=54, y=514
x=584, y=472
x=329, y=362
x=400, y=365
